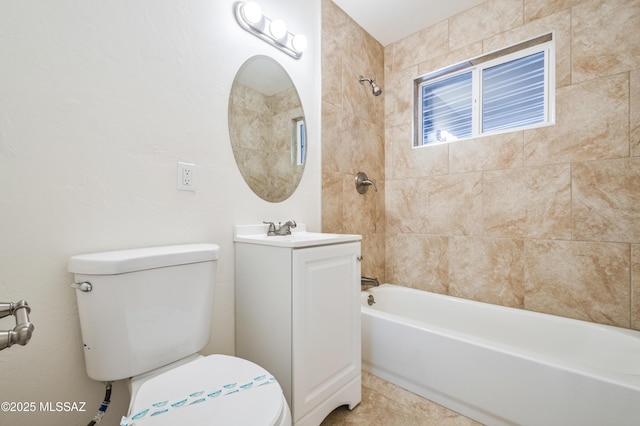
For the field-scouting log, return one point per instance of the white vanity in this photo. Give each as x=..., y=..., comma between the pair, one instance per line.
x=298, y=315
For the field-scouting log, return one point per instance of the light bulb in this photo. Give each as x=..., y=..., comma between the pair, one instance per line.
x=252, y=12
x=299, y=43
x=278, y=29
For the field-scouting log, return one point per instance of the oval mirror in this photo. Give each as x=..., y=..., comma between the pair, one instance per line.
x=267, y=128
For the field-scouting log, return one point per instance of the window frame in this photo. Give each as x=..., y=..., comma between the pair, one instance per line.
x=300, y=141
x=544, y=43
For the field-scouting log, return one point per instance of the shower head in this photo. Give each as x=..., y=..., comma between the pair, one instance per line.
x=377, y=91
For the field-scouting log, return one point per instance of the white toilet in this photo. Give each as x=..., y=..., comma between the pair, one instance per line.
x=145, y=314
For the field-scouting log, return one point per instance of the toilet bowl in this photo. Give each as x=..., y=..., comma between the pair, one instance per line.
x=210, y=390
x=144, y=316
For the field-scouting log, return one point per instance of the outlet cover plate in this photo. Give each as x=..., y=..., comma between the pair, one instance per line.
x=186, y=176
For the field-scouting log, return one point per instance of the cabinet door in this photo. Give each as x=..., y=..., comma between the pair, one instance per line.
x=326, y=322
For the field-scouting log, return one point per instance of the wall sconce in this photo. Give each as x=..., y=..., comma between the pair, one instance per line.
x=249, y=16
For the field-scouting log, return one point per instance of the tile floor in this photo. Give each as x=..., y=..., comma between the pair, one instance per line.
x=385, y=404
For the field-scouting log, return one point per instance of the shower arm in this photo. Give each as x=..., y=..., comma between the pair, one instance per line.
x=21, y=333
x=377, y=91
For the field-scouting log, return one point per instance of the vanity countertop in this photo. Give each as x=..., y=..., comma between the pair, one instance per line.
x=299, y=238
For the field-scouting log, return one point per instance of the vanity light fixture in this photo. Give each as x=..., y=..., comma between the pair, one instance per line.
x=249, y=16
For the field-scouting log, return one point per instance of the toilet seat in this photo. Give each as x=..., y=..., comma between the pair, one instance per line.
x=212, y=390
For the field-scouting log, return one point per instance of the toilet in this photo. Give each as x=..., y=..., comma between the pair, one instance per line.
x=144, y=315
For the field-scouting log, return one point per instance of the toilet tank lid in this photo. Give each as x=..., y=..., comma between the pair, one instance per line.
x=122, y=261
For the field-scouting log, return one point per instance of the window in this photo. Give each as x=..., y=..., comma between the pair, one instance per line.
x=447, y=108
x=507, y=90
x=300, y=137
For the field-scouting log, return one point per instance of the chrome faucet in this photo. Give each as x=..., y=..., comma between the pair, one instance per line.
x=272, y=228
x=285, y=228
x=364, y=281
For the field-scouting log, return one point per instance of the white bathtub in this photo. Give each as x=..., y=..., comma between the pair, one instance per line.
x=500, y=365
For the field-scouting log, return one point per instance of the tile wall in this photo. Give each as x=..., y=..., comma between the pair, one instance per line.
x=545, y=219
x=352, y=135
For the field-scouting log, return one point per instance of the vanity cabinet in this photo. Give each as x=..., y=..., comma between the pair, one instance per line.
x=298, y=316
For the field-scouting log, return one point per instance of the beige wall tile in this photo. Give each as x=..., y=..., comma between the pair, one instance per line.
x=635, y=112
x=421, y=259
x=350, y=144
x=367, y=140
x=375, y=248
x=485, y=20
x=505, y=198
x=606, y=38
x=536, y=9
x=533, y=202
x=362, y=58
x=331, y=70
x=399, y=96
x=450, y=58
x=606, y=200
x=359, y=209
x=334, y=129
x=503, y=151
x=405, y=161
x=440, y=205
x=334, y=20
x=332, y=202
x=453, y=204
x=635, y=286
x=558, y=23
x=427, y=43
x=549, y=204
x=582, y=280
x=487, y=270
x=352, y=134
x=592, y=123
x=403, y=207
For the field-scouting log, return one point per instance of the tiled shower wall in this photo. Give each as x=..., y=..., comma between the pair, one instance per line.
x=352, y=135
x=545, y=219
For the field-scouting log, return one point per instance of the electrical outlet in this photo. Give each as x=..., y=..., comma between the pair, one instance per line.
x=186, y=176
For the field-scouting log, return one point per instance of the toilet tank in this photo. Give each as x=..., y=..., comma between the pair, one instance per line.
x=147, y=307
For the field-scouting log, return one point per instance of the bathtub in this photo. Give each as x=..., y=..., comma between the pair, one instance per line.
x=499, y=365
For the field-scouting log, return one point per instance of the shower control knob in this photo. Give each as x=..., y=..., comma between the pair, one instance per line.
x=363, y=183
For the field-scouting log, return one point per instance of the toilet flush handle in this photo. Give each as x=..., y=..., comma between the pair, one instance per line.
x=84, y=286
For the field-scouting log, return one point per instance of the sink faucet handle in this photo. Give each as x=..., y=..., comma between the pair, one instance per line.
x=272, y=228
x=285, y=228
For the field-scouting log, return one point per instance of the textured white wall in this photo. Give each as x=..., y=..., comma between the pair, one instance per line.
x=98, y=102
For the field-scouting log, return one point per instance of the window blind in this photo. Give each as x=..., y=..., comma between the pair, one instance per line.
x=447, y=109
x=513, y=94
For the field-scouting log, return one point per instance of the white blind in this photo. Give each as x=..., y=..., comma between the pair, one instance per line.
x=447, y=108
x=513, y=94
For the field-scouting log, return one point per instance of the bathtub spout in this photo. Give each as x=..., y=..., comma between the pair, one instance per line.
x=365, y=281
